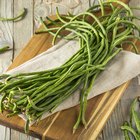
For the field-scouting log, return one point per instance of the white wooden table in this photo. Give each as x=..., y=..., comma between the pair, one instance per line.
x=18, y=34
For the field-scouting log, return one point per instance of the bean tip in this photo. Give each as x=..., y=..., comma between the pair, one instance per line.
x=74, y=130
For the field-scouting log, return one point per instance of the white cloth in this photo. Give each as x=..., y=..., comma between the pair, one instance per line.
x=120, y=69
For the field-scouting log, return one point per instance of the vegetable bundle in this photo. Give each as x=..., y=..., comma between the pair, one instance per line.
x=100, y=39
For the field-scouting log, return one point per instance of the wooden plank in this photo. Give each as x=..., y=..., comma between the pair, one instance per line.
x=6, y=34
x=23, y=30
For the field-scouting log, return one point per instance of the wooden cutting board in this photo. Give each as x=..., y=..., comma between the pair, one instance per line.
x=59, y=126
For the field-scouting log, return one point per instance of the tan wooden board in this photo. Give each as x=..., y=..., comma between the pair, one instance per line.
x=59, y=126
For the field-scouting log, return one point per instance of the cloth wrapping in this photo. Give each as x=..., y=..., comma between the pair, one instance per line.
x=123, y=67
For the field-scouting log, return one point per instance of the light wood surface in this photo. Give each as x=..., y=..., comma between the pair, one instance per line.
x=11, y=31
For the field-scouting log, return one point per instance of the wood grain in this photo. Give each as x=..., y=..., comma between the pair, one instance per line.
x=23, y=30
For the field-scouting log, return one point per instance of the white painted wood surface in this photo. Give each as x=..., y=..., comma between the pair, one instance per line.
x=17, y=35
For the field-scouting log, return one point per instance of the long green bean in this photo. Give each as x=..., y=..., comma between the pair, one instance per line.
x=17, y=18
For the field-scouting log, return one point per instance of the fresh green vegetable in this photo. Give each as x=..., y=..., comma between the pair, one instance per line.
x=100, y=40
x=4, y=49
x=132, y=129
x=17, y=18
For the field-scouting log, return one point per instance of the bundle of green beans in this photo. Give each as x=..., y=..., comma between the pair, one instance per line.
x=35, y=93
x=132, y=129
